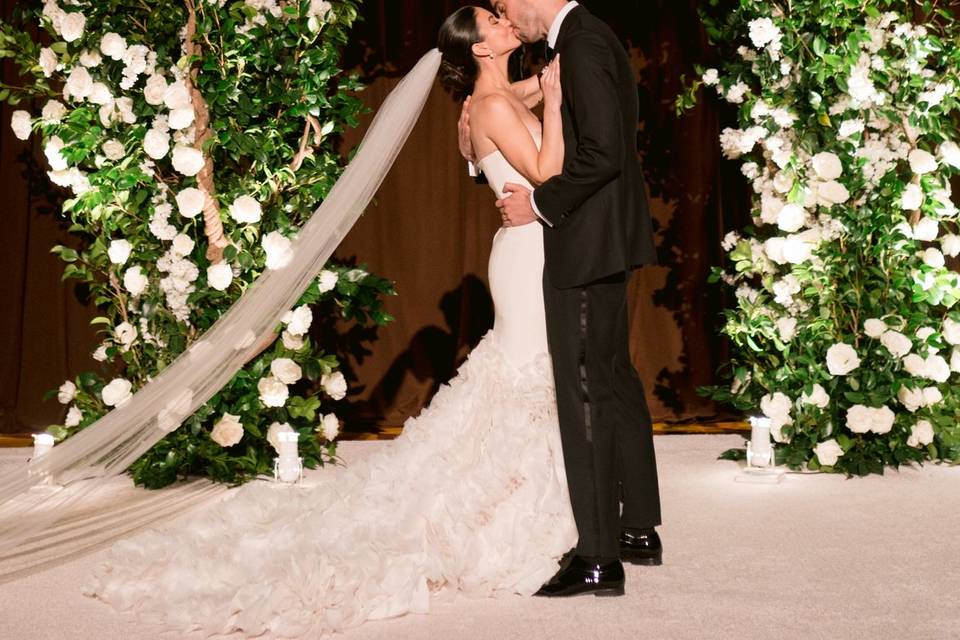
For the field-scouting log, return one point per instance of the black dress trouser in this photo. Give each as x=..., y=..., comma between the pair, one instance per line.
x=605, y=424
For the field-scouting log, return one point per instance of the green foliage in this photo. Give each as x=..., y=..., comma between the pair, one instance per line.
x=268, y=77
x=847, y=133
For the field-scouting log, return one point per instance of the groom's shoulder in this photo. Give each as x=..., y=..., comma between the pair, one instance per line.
x=587, y=28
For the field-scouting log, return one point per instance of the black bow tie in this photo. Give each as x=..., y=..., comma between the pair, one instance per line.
x=551, y=52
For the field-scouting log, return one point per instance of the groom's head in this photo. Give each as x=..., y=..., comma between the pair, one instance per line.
x=531, y=18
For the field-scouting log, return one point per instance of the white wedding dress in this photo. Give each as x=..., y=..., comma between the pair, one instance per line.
x=471, y=498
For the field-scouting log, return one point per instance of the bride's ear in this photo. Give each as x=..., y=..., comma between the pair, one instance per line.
x=481, y=50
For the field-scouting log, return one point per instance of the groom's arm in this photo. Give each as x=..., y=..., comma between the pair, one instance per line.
x=591, y=78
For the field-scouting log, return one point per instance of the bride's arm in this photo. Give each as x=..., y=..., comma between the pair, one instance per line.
x=528, y=91
x=502, y=125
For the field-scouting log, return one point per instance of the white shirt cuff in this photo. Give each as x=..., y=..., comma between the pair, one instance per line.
x=536, y=210
x=472, y=169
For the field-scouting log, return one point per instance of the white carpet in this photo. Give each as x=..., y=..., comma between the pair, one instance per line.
x=814, y=557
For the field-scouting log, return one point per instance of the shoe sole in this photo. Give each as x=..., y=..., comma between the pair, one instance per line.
x=609, y=593
x=644, y=562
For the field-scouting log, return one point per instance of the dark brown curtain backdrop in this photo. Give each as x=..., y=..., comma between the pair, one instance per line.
x=430, y=230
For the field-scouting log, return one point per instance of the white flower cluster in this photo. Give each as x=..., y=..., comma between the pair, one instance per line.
x=178, y=284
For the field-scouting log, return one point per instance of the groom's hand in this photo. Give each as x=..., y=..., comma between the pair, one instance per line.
x=515, y=208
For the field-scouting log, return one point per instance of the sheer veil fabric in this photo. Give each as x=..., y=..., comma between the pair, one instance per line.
x=107, y=447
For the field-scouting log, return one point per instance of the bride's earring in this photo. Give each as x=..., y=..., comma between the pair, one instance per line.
x=491, y=56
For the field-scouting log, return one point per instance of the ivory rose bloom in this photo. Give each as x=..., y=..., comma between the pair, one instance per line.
x=329, y=427
x=228, y=431
x=190, y=202
x=117, y=392
x=273, y=393
x=134, y=280
x=113, y=150
x=912, y=197
x=828, y=452
x=21, y=125
x=286, y=370
x=154, y=90
x=273, y=430
x=874, y=327
x=818, y=397
x=291, y=341
x=842, y=359
x=279, y=250
x=219, y=276
x=156, y=144
x=187, y=160
x=67, y=392
x=113, y=45
x=246, y=210
x=334, y=385
x=327, y=281
x=921, y=434
x=74, y=416
x=896, y=343
x=827, y=166
x=298, y=320
x=119, y=251
x=922, y=161
x=951, y=331
x=861, y=419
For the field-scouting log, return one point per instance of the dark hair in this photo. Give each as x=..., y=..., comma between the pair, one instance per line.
x=458, y=67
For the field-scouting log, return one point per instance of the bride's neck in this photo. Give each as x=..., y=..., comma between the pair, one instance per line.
x=493, y=75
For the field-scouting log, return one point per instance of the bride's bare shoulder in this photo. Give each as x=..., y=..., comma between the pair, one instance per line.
x=493, y=106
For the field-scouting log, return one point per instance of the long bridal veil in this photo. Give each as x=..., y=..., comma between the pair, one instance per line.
x=108, y=446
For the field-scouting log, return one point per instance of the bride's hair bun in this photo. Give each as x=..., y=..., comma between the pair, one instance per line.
x=458, y=67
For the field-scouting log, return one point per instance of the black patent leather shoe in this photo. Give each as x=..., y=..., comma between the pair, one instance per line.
x=641, y=546
x=580, y=577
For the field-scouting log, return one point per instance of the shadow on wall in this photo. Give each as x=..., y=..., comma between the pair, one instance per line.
x=432, y=357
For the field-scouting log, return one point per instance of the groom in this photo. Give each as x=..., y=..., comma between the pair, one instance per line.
x=597, y=229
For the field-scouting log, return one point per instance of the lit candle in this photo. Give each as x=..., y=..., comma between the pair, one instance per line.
x=760, y=441
x=288, y=465
x=42, y=443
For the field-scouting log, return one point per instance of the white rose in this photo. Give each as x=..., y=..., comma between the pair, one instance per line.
x=71, y=27
x=915, y=365
x=763, y=31
x=53, y=112
x=273, y=430
x=786, y=328
x=832, y=192
x=177, y=96
x=187, y=160
x=291, y=341
x=90, y=58
x=859, y=418
x=796, y=250
x=791, y=218
x=181, y=118
x=273, y=393
x=842, y=359
x=896, y=343
x=113, y=150
x=874, y=327
x=334, y=384
x=937, y=368
x=773, y=248
x=279, y=250
x=911, y=399
x=926, y=229
x=286, y=370
x=190, y=202
x=100, y=94
x=328, y=280
x=154, y=90
x=74, y=416
x=828, y=452
x=850, y=127
x=922, y=161
x=950, y=245
x=52, y=150
x=219, y=276
x=113, y=46
x=246, y=210
x=950, y=154
x=117, y=392
x=933, y=258
x=298, y=320
x=48, y=61
x=711, y=77
x=125, y=334
x=818, y=397
x=228, y=431
x=79, y=84
x=827, y=165
x=67, y=392
x=931, y=396
x=156, y=143
x=100, y=354
x=955, y=360
x=135, y=281
x=776, y=406
x=951, y=331
x=912, y=197
x=330, y=427
x=883, y=419
x=119, y=251
x=21, y=124
x=182, y=245
x=921, y=434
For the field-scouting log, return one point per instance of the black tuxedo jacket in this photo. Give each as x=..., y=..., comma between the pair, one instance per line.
x=598, y=206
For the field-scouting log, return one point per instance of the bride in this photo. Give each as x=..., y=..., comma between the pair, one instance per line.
x=471, y=498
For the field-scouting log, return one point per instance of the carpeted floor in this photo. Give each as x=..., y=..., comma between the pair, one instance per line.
x=814, y=557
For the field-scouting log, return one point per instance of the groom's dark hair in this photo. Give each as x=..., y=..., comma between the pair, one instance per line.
x=458, y=68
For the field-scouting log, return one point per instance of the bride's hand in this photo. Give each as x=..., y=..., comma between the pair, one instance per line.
x=550, y=84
